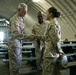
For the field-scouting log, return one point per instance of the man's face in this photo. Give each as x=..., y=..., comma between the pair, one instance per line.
x=40, y=18
x=23, y=11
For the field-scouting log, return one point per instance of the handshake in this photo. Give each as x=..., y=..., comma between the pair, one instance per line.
x=32, y=36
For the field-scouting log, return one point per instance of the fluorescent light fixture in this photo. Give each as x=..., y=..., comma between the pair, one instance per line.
x=1, y=36
x=35, y=0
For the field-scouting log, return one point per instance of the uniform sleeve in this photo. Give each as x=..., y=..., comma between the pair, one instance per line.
x=40, y=37
x=55, y=39
x=14, y=30
x=51, y=34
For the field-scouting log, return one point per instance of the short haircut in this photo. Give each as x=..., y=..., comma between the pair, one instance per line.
x=22, y=5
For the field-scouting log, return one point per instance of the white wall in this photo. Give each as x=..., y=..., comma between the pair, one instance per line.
x=29, y=22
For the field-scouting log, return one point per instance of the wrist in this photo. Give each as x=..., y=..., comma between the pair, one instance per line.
x=60, y=50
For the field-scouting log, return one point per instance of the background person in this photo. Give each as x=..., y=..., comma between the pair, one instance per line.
x=39, y=29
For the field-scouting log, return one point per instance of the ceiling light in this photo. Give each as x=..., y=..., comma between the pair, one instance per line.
x=35, y=0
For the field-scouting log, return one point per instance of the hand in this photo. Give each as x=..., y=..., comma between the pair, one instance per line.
x=61, y=52
x=32, y=36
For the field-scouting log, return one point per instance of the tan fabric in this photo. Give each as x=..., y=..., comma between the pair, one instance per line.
x=50, y=67
x=15, y=44
x=51, y=38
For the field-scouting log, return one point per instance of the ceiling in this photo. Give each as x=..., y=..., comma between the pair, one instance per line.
x=67, y=8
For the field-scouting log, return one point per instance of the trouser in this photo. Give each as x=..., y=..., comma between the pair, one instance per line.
x=15, y=58
x=38, y=56
x=50, y=67
x=42, y=52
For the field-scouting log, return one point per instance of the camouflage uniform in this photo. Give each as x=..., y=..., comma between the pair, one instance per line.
x=39, y=29
x=50, y=67
x=16, y=36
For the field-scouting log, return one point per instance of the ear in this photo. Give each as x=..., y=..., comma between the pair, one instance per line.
x=50, y=14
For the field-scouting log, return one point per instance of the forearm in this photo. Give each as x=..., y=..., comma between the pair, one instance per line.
x=40, y=37
x=20, y=35
x=59, y=46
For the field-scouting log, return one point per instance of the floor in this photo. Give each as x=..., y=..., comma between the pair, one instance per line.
x=25, y=69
